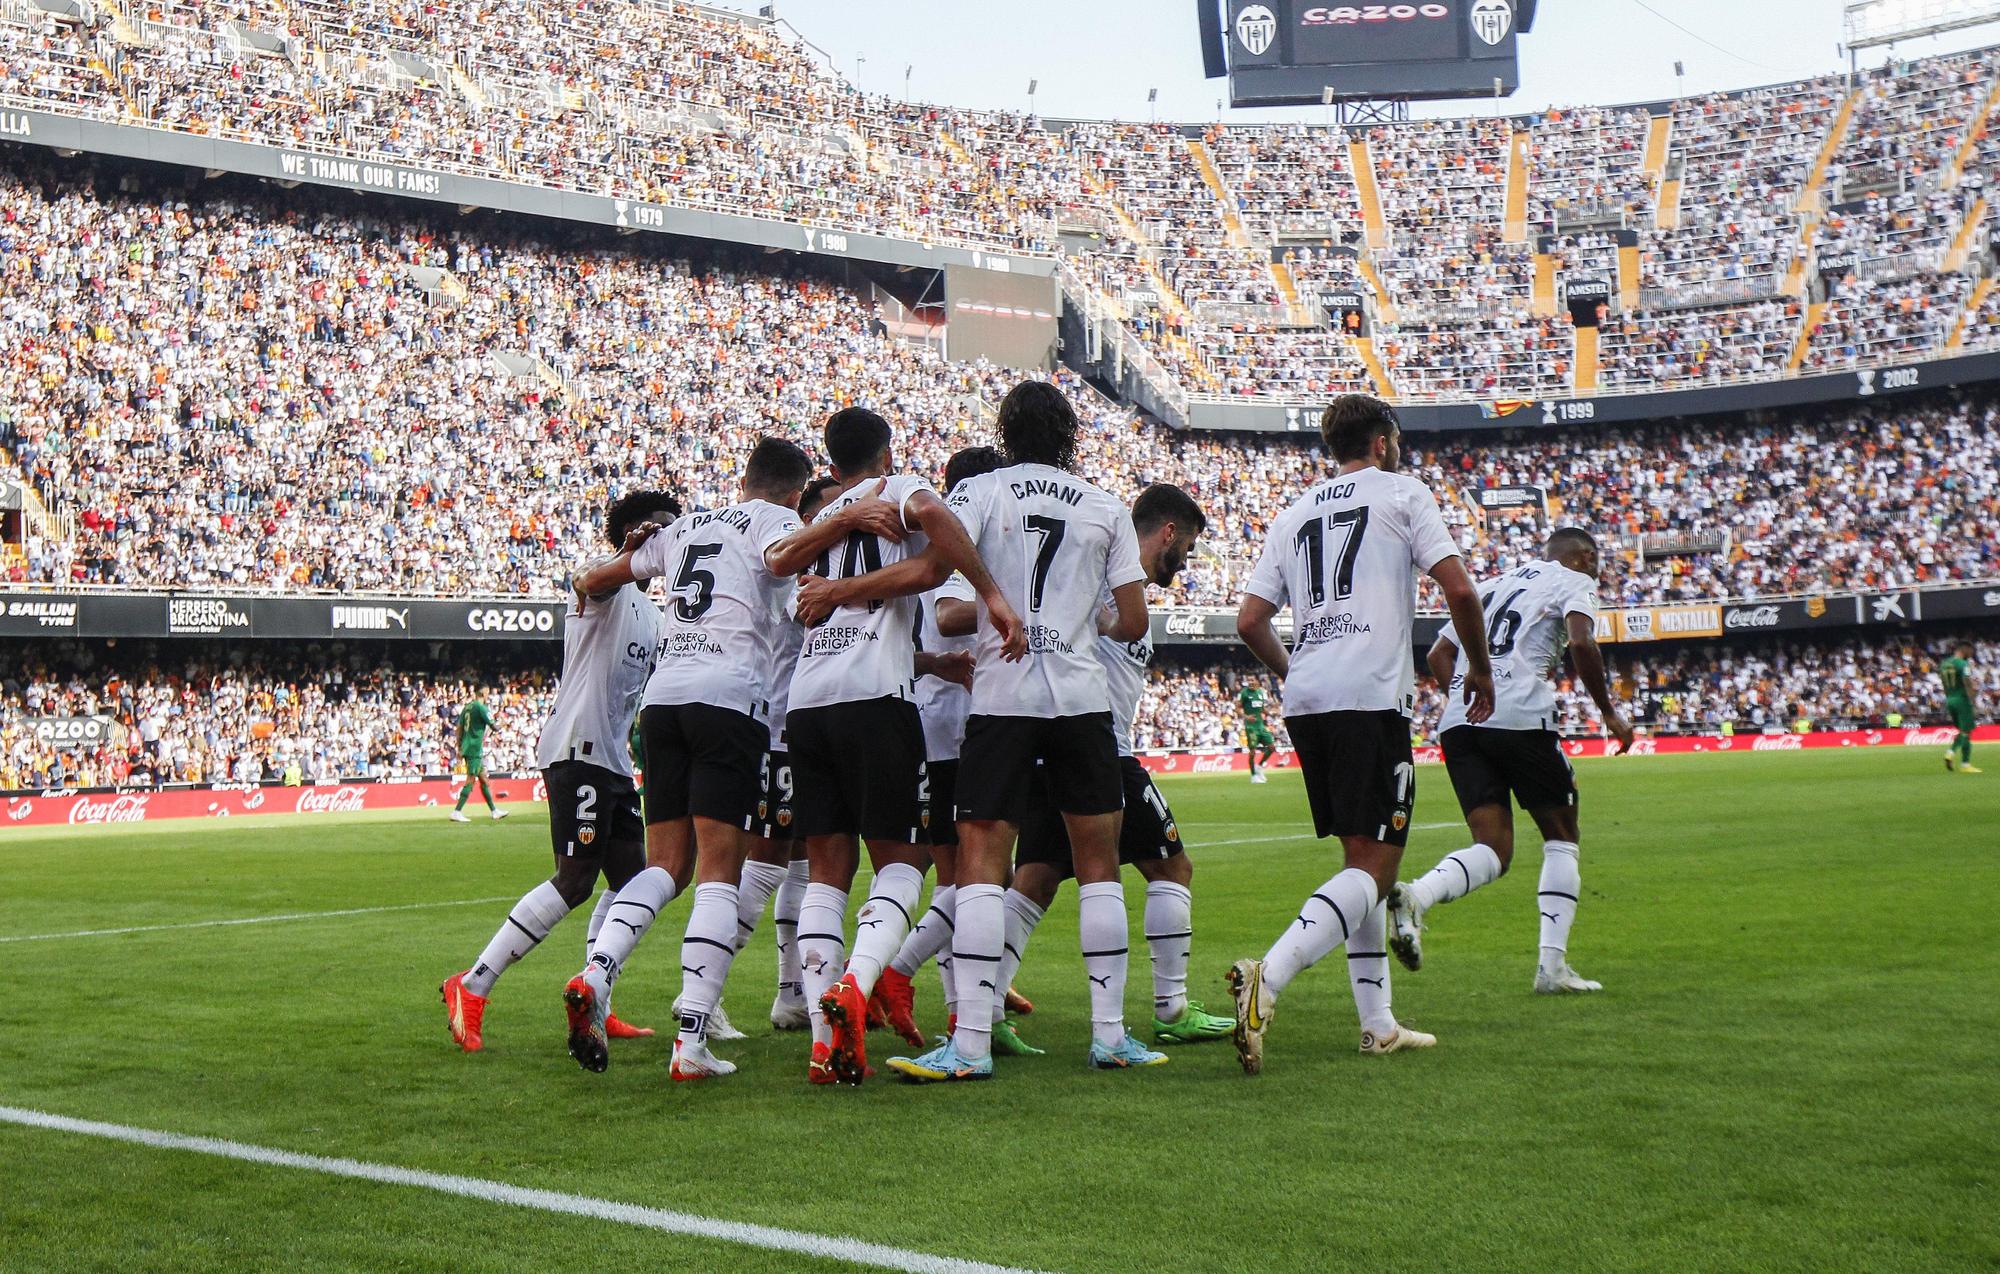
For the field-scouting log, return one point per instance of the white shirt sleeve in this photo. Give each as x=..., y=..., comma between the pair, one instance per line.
x=774, y=522
x=970, y=500
x=1122, y=566
x=1450, y=633
x=957, y=588
x=1582, y=599
x=1267, y=578
x=1430, y=539
x=649, y=560
x=911, y=486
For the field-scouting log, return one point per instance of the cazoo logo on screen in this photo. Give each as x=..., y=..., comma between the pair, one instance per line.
x=507, y=619
x=1342, y=15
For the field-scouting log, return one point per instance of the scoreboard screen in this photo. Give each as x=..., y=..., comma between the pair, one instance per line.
x=1285, y=52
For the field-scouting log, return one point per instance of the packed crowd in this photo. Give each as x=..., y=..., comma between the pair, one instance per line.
x=681, y=105
x=190, y=713
x=229, y=395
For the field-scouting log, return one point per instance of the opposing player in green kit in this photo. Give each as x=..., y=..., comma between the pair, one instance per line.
x=1956, y=674
x=1256, y=730
x=474, y=720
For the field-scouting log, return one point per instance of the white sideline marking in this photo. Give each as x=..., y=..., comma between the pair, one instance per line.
x=1305, y=835
x=256, y=920
x=770, y=1238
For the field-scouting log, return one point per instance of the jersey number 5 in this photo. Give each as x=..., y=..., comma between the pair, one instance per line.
x=691, y=608
x=1350, y=525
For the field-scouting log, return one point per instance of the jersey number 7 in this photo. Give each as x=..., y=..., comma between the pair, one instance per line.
x=1051, y=530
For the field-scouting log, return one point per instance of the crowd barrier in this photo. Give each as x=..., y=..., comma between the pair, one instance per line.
x=149, y=805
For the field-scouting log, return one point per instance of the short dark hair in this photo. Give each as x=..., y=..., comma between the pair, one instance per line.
x=1038, y=425
x=815, y=496
x=776, y=468
x=1569, y=537
x=1352, y=422
x=1162, y=503
x=855, y=436
x=1963, y=643
x=970, y=462
x=634, y=507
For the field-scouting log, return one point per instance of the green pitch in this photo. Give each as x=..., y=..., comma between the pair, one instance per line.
x=1793, y=1065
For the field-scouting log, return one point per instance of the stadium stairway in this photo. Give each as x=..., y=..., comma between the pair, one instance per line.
x=1170, y=300
x=1807, y=325
x=1515, y=229
x=1667, y=209
x=1809, y=201
x=1385, y=309
x=1956, y=168
x=1659, y=144
x=1542, y=302
x=1961, y=243
x=1361, y=162
x=1980, y=291
x=1232, y=225
x=1364, y=346
x=1586, y=360
x=1628, y=277
x=470, y=91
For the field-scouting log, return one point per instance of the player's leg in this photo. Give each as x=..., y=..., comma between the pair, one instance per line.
x=725, y=784
x=1556, y=899
x=1085, y=783
x=1253, y=743
x=458, y=814
x=623, y=859
x=486, y=790
x=995, y=767
x=1476, y=762
x=788, y=1009
x=1360, y=784
x=1962, y=719
x=669, y=861
x=573, y=827
x=930, y=937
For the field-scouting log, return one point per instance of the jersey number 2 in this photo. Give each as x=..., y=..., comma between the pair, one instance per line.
x=1351, y=525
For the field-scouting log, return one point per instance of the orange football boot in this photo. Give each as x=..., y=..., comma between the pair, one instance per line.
x=846, y=1010
x=586, y=1026
x=621, y=1030
x=463, y=1013
x=896, y=993
x=878, y=1009
x=1017, y=1004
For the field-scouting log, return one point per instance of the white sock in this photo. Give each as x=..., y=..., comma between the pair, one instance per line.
x=753, y=890
x=1562, y=885
x=822, y=950
x=785, y=921
x=1455, y=876
x=1368, y=970
x=707, y=949
x=539, y=911
x=1325, y=921
x=977, y=943
x=883, y=922
x=596, y=924
x=1101, y=922
x=948, y=977
x=1022, y=917
x=631, y=913
x=1169, y=936
x=931, y=937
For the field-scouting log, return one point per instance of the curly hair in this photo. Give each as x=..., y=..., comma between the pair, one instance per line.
x=634, y=507
x=1038, y=426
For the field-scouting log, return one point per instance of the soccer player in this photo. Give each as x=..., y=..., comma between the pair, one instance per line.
x=857, y=742
x=1531, y=612
x=1956, y=674
x=585, y=758
x=1167, y=522
x=1057, y=545
x=1343, y=557
x=1256, y=730
x=474, y=720
x=705, y=731
x=942, y=703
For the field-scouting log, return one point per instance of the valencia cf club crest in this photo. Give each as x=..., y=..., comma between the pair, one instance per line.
x=1399, y=820
x=586, y=834
x=784, y=818
x=1492, y=19
x=1815, y=606
x=1256, y=27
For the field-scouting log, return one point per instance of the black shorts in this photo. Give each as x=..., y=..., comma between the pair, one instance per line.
x=592, y=811
x=860, y=770
x=996, y=774
x=1149, y=834
x=1487, y=765
x=1361, y=779
x=703, y=761
x=940, y=799
x=774, y=807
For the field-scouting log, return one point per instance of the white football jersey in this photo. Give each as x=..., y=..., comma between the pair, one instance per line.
x=1055, y=545
x=608, y=646
x=724, y=609
x=784, y=659
x=863, y=652
x=942, y=704
x=1345, y=558
x=1125, y=664
x=1526, y=630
